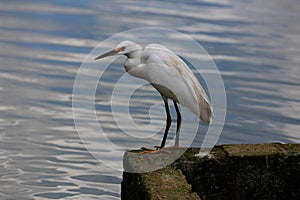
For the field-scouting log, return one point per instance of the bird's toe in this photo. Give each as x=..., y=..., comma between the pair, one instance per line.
x=148, y=150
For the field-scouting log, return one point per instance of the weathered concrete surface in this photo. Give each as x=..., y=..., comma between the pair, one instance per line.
x=166, y=183
x=246, y=171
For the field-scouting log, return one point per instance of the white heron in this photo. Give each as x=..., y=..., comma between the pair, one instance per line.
x=170, y=76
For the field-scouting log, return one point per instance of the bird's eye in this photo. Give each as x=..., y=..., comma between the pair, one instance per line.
x=123, y=48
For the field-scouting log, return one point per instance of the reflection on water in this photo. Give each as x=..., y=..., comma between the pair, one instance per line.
x=255, y=44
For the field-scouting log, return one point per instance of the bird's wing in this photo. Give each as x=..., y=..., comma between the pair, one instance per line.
x=166, y=68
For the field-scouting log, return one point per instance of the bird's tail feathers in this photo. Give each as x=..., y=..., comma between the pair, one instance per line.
x=206, y=111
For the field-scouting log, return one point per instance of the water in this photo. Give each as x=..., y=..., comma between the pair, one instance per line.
x=255, y=45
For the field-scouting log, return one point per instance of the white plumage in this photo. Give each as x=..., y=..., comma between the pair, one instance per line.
x=171, y=77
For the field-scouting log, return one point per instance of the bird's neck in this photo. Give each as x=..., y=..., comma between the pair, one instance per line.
x=133, y=59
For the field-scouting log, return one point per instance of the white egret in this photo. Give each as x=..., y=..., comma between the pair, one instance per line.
x=170, y=76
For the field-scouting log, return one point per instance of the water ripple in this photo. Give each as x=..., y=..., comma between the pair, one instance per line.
x=254, y=44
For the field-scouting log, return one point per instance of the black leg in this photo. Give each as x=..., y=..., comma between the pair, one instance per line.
x=179, y=119
x=169, y=121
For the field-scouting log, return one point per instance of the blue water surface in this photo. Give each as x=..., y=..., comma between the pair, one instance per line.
x=255, y=45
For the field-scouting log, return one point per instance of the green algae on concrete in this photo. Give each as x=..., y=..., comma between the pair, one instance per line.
x=254, y=149
x=166, y=183
x=244, y=171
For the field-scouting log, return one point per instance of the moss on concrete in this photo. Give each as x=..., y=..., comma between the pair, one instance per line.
x=245, y=171
x=254, y=149
x=166, y=183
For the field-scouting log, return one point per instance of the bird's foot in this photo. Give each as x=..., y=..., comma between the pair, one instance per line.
x=211, y=156
x=148, y=150
x=157, y=147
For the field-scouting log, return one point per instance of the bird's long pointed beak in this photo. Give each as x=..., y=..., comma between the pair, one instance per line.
x=110, y=53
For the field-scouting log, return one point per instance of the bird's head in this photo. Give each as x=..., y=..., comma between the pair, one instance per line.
x=124, y=48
